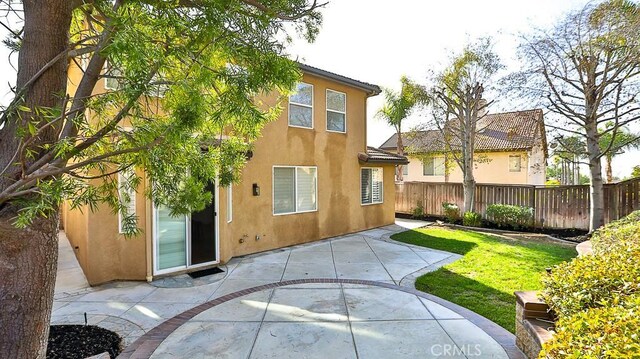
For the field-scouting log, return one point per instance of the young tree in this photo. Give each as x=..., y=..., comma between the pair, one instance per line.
x=586, y=72
x=459, y=108
x=397, y=107
x=210, y=58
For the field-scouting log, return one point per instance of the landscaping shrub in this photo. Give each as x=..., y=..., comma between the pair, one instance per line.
x=597, y=297
x=418, y=211
x=612, y=332
x=451, y=212
x=508, y=216
x=472, y=219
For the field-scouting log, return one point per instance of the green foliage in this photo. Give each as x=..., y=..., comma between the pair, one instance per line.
x=472, y=219
x=418, y=211
x=597, y=297
x=451, y=212
x=609, y=332
x=399, y=105
x=187, y=77
x=635, y=172
x=509, y=216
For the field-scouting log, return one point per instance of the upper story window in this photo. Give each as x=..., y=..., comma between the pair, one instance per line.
x=515, y=163
x=336, y=111
x=371, y=186
x=111, y=76
x=433, y=166
x=301, y=106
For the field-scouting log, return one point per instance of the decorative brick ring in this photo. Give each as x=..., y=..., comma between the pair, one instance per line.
x=145, y=345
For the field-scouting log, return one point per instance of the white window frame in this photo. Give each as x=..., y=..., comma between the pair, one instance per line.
x=132, y=197
x=433, y=160
x=382, y=185
x=519, y=165
x=334, y=111
x=229, y=203
x=295, y=190
x=303, y=105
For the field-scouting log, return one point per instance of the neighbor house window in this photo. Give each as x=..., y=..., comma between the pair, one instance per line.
x=371, y=185
x=229, y=204
x=433, y=166
x=127, y=196
x=515, y=163
x=405, y=170
x=336, y=111
x=295, y=189
x=301, y=106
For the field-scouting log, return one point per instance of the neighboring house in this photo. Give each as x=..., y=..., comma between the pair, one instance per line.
x=311, y=176
x=511, y=148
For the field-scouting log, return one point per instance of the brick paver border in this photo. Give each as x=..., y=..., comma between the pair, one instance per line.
x=144, y=347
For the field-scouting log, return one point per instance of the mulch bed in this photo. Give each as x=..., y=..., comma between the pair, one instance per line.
x=81, y=341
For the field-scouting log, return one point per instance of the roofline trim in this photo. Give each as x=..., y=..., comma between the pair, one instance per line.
x=372, y=90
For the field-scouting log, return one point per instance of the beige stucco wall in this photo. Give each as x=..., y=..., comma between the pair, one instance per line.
x=107, y=255
x=491, y=167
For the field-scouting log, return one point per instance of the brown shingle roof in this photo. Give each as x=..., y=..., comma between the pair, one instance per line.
x=376, y=155
x=508, y=131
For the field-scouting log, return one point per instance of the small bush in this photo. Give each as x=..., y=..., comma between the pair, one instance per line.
x=451, y=212
x=612, y=332
x=418, y=211
x=472, y=219
x=508, y=216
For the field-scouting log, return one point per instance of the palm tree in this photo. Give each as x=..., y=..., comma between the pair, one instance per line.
x=398, y=106
x=623, y=140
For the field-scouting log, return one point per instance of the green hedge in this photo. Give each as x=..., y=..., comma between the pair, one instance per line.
x=451, y=212
x=597, y=297
x=610, y=332
x=509, y=216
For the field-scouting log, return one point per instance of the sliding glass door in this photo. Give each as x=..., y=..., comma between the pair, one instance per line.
x=183, y=242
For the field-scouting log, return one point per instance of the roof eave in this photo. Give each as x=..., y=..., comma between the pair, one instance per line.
x=371, y=90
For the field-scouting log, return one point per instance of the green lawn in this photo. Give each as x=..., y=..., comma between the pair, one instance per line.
x=490, y=270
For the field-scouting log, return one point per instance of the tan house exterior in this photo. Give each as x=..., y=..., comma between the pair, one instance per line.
x=511, y=149
x=323, y=175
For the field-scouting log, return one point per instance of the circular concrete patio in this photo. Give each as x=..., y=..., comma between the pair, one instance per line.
x=326, y=318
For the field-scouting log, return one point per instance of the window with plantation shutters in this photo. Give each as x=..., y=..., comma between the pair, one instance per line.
x=127, y=196
x=295, y=189
x=371, y=185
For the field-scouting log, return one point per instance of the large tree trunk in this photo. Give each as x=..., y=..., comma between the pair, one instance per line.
x=28, y=257
x=468, y=183
x=596, y=218
x=28, y=263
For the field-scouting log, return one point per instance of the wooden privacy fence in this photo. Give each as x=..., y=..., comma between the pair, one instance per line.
x=554, y=207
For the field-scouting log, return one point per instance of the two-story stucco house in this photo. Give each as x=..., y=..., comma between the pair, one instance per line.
x=511, y=148
x=311, y=176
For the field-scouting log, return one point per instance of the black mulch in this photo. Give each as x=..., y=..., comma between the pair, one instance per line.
x=81, y=341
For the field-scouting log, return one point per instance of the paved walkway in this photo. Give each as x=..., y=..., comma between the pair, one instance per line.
x=273, y=305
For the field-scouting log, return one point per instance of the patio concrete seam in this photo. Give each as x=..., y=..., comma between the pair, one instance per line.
x=346, y=307
x=264, y=315
x=379, y=260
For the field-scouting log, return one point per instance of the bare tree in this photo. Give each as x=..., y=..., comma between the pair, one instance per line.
x=585, y=71
x=459, y=108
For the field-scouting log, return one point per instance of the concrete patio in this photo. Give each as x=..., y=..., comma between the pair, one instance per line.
x=345, y=297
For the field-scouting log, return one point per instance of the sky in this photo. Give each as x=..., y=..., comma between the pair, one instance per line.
x=379, y=41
